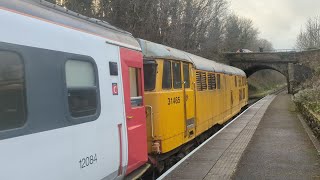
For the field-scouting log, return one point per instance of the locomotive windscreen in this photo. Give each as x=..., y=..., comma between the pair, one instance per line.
x=150, y=71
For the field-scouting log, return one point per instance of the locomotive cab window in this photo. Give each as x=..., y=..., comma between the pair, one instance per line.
x=166, y=77
x=135, y=90
x=82, y=88
x=186, y=76
x=150, y=72
x=12, y=91
x=176, y=68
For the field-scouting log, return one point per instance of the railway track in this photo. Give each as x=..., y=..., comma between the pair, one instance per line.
x=277, y=91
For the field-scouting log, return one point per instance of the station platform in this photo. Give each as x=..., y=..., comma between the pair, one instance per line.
x=266, y=141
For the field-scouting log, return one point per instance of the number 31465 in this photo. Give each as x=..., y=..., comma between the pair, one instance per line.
x=174, y=100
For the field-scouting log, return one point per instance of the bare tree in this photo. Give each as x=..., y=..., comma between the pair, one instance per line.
x=212, y=41
x=240, y=33
x=200, y=27
x=232, y=34
x=264, y=44
x=249, y=34
x=309, y=36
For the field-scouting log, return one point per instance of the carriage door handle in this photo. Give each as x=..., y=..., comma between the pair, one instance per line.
x=129, y=117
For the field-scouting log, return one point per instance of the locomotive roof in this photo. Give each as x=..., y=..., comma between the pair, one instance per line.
x=46, y=11
x=154, y=50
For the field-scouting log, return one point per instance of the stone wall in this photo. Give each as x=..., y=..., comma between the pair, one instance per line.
x=313, y=120
x=309, y=58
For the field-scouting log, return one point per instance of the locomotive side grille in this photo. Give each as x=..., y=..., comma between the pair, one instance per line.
x=198, y=79
x=218, y=81
x=243, y=93
x=214, y=81
x=211, y=81
x=235, y=81
x=203, y=81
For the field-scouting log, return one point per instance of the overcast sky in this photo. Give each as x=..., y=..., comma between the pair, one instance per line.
x=279, y=21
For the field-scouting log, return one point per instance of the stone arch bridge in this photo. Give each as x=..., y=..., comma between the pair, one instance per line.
x=287, y=63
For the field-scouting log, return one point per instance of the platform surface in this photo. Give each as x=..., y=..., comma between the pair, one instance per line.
x=275, y=148
x=280, y=147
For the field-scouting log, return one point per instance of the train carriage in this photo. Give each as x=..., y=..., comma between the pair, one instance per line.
x=186, y=96
x=74, y=92
x=71, y=96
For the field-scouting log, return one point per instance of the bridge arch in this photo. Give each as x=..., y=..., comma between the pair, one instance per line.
x=287, y=63
x=255, y=68
x=251, y=67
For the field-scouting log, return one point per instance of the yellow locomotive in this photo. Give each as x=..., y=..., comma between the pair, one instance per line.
x=186, y=96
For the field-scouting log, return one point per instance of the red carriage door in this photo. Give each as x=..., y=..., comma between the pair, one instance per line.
x=132, y=73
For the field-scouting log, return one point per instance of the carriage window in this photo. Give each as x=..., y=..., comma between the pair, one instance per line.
x=82, y=88
x=176, y=68
x=186, y=75
x=166, y=77
x=150, y=72
x=135, y=93
x=12, y=91
x=218, y=81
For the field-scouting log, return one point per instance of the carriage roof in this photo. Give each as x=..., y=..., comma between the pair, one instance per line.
x=46, y=11
x=154, y=50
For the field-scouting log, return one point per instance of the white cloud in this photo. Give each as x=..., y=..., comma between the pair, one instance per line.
x=279, y=21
